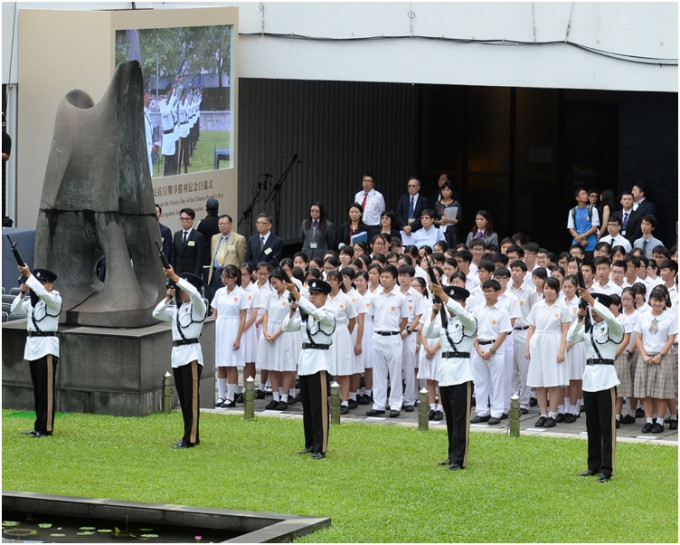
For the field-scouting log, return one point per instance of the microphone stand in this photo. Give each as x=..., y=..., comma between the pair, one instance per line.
x=276, y=190
x=248, y=212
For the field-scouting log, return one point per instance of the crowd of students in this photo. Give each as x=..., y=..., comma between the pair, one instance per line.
x=523, y=297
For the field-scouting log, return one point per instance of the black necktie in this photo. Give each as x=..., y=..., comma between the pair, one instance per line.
x=261, y=243
x=184, y=237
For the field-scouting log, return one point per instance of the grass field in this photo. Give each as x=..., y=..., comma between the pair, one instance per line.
x=204, y=155
x=378, y=483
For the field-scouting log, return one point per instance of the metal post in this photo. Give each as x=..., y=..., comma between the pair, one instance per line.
x=167, y=392
x=514, y=416
x=335, y=403
x=248, y=407
x=423, y=407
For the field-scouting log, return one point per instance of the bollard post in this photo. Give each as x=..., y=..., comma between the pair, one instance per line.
x=248, y=406
x=167, y=392
x=514, y=416
x=335, y=403
x=423, y=407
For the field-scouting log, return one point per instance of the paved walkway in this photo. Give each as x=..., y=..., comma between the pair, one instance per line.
x=626, y=433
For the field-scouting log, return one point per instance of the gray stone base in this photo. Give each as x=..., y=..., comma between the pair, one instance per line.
x=104, y=370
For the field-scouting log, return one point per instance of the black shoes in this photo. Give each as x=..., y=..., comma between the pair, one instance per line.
x=604, y=478
x=306, y=450
x=344, y=409
x=374, y=412
x=37, y=434
x=352, y=403
x=363, y=399
x=229, y=404
x=639, y=413
x=504, y=416
x=647, y=428
x=181, y=444
x=409, y=408
x=533, y=402
x=559, y=418
x=28, y=432
x=259, y=394
x=628, y=419
x=431, y=414
x=523, y=410
x=549, y=423
x=479, y=419
x=672, y=425
x=587, y=473
x=618, y=424
x=394, y=413
x=271, y=406
x=219, y=403
x=454, y=467
x=446, y=462
x=657, y=428
x=318, y=456
x=540, y=422
x=239, y=398
x=570, y=418
x=281, y=406
x=493, y=421
x=439, y=415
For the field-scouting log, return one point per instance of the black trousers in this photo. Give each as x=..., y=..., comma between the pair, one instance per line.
x=43, y=373
x=170, y=164
x=315, y=415
x=457, y=401
x=187, y=381
x=601, y=426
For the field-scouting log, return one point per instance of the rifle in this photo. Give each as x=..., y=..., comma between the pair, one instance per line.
x=166, y=265
x=581, y=283
x=16, y=253
x=287, y=280
x=435, y=298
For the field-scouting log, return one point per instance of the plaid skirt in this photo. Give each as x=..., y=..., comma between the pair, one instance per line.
x=657, y=381
x=625, y=370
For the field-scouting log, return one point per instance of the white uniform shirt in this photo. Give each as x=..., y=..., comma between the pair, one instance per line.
x=321, y=324
x=189, y=317
x=606, y=335
x=375, y=206
x=491, y=322
x=667, y=324
x=609, y=289
x=527, y=299
x=388, y=309
x=45, y=314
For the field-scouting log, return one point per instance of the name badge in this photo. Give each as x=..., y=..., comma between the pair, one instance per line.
x=313, y=245
x=191, y=243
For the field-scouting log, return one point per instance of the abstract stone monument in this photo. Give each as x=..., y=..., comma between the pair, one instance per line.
x=97, y=202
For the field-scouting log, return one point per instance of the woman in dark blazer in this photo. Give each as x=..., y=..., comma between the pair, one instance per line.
x=353, y=226
x=316, y=232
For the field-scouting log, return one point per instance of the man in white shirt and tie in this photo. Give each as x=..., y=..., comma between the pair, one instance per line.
x=371, y=201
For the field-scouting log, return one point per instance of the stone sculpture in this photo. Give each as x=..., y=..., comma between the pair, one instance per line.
x=97, y=202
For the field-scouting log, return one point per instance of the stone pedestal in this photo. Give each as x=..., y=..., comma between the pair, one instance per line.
x=104, y=370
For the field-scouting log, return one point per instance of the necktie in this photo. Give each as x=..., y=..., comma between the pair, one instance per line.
x=184, y=237
x=217, y=252
x=625, y=220
x=480, y=234
x=315, y=223
x=644, y=247
x=261, y=243
x=410, y=208
x=363, y=203
x=654, y=326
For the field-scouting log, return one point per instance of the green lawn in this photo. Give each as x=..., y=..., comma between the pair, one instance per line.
x=378, y=483
x=204, y=155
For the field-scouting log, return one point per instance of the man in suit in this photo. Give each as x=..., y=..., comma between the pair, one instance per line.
x=188, y=246
x=640, y=204
x=411, y=206
x=208, y=227
x=166, y=235
x=630, y=219
x=226, y=248
x=265, y=246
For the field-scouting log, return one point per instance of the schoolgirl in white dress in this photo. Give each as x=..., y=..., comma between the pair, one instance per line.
x=357, y=335
x=576, y=355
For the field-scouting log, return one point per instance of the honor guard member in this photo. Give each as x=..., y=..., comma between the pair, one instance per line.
x=42, y=307
x=317, y=325
x=187, y=356
x=601, y=339
x=454, y=372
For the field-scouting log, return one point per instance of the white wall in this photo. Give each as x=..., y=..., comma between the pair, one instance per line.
x=644, y=31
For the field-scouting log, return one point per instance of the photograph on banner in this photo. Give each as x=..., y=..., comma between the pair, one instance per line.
x=187, y=95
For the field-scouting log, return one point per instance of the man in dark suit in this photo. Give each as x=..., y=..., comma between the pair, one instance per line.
x=629, y=218
x=411, y=206
x=641, y=204
x=166, y=235
x=209, y=227
x=265, y=246
x=188, y=246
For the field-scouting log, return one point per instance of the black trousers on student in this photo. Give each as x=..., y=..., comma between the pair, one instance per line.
x=315, y=416
x=187, y=381
x=601, y=426
x=457, y=401
x=43, y=373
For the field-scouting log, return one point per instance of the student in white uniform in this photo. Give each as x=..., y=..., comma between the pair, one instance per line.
x=249, y=337
x=390, y=316
x=357, y=335
x=409, y=336
x=454, y=372
x=314, y=363
x=488, y=359
x=576, y=356
x=230, y=306
x=626, y=358
x=601, y=337
x=42, y=309
x=187, y=356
